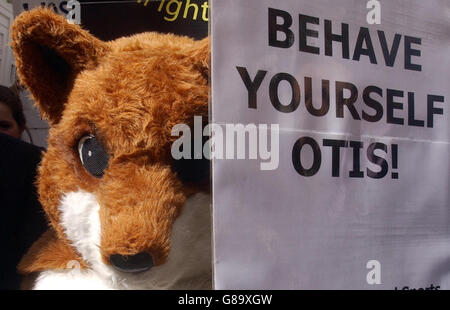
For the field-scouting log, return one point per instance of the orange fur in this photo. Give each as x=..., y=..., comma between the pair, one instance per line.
x=48, y=252
x=129, y=93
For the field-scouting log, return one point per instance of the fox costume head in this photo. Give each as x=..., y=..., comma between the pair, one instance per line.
x=117, y=204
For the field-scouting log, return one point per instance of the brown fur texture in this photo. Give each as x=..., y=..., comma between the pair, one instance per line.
x=129, y=93
x=48, y=252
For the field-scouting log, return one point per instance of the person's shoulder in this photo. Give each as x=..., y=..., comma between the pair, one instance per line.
x=13, y=150
x=8, y=141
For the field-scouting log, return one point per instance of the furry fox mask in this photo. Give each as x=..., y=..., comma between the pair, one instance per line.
x=118, y=206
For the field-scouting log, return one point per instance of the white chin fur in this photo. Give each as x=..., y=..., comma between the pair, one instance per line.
x=188, y=265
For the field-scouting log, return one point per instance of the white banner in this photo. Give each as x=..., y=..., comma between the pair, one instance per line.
x=355, y=195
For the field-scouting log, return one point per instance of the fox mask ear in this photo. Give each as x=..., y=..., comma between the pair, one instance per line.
x=49, y=54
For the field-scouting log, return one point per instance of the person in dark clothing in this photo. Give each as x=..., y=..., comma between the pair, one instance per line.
x=22, y=217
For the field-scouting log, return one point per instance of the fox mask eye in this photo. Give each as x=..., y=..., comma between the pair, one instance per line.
x=93, y=156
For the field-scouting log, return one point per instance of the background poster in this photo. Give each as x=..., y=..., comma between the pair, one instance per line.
x=360, y=196
x=110, y=19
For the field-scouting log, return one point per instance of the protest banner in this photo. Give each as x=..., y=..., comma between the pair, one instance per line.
x=358, y=197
